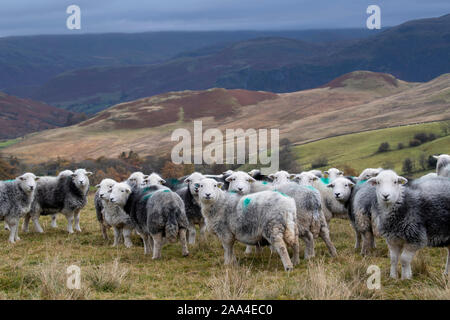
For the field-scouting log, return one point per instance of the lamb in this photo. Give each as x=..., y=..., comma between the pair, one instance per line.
x=443, y=165
x=155, y=212
x=100, y=199
x=115, y=215
x=263, y=218
x=411, y=218
x=360, y=202
x=16, y=197
x=65, y=193
x=189, y=195
x=310, y=220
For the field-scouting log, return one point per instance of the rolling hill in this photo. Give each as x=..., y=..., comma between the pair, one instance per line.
x=355, y=102
x=414, y=51
x=21, y=116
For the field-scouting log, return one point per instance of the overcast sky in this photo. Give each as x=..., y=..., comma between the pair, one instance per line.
x=24, y=17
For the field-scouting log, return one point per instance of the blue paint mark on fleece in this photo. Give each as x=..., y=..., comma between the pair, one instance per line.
x=362, y=181
x=325, y=180
x=283, y=194
x=246, y=203
x=147, y=196
x=264, y=182
x=166, y=190
x=8, y=180
x=311, y=188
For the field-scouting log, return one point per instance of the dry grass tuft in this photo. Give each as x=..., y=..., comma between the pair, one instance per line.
x=107, y=277
x=234, y=282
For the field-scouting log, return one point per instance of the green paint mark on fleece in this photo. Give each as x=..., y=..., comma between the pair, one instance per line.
x=147, y=196
x=264, y=182
x=362, y=181
x=8, y=180
x=311, y=188
x=246, y=203
x=283, y=194
x=325, y=180
x=232, y=191
x=166, y=191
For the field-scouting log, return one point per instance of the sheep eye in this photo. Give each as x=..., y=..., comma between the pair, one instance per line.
x=215, y=186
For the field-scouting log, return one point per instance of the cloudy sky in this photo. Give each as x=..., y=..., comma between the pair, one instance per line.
x=24, y=17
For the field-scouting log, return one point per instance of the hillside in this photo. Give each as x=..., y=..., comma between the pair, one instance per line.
x=21, y=116
x=414, y=51
x=356, y=102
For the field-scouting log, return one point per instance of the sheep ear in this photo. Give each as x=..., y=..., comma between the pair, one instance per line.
x=36, y=178
x=73, y=175
x=220, y=185
x=351, y=184
x=229, y=178
x=436, y=157
x=331, y=185
x=325, y=173
x=145, y=176
x=162, y=181
x=291, y=176
x=271, y=176
x=402, y=180
x=187, y=180
x=341, y=173
x=315, y=178
x=97, y=186
x=251, y=180
x=373, y=181
x=128, y=190
x=89, y=173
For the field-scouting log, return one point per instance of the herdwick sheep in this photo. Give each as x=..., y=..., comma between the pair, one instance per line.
x=443, y=165
x=310, y=219
x=100, y=199
x=189, y=195
x=62, y=173
x=115, y=215
x=136, y=180
x=258, y=176
x=263, y=218
x=65, y=193
x=153, y=179
x=156, y=212
x=360, y=202
x=412, y=217
x=333, y=174
x=16, y=197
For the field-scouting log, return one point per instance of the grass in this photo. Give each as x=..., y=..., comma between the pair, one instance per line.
x=35, y=268
x=359, y=150
x=7, y=143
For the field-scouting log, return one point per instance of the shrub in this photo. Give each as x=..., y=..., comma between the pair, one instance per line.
x=422, y=137
x=415, y=143
x=384, y=146
x=400, y=146
x=432, y=162
x=319, y=162
x=408, y=166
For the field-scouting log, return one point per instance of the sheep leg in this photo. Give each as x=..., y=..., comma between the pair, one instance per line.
x=54, y=224
x=148, y=243
x=116, y=236
x=13, y=225
x=229, y=257
x=258, y=249
x=104, y=230
x=202, y=225
x=157, y=244
x=126, y=237
x=6, y=226
x=25, y=225
x=405, y=259
x=394, y=253
x=367, y=243
x=69, y=217
x=357, y=240
x=77, y=221
x=309, y=245
x=325, y=235
x=191, y=233
x=16, y=236
x=296, y=252
x=248, y=249
x=280, y=247
x=37, y=225
x=184, y=246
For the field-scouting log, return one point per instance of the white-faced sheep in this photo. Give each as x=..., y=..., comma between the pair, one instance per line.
x=66, y=194
x=156, y=212
x=333, y=174
x=263, y=218
x=16, y=197
x=310, y=219
x=412, y=217
x=443, y=165
x=104, y=188
x=189, y=194
x=153, y=179
x=136, y=180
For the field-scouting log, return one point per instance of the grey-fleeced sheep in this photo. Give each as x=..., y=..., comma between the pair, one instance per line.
x=16, y=197
x=360, y=201
x=189, y=195
x=310, y=219
x=66, y=194
x=412, y=217
x=100, y=199
x=262, y=218
x=443, y=165
x=115, y=215
x=136, y=180
x=156, y=212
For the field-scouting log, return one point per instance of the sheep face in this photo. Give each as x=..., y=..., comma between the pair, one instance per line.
x=254, y=172
x=369, y=173
x=209, y=191
x=80, y=178
x=388, y=186
x=120, y=193
x=333, y=174
x=280, y=178
x=136, y=179
x=65, y=173
x=443, y=161
x=342, y=189
x=154, y=179
x=105, y=187
x=27, y=182
x=305, y=178
x=193, y=182
x=240, y=182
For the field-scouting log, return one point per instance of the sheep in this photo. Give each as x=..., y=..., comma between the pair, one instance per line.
x=310, y=219
x=153, y=179
x=257, y=175
x=16, y=197
x=263, y=218
x=136, y=180
x=412, y=217
x=360, y=202
x=333, y=174
x=115, y=215
x=317, y=173
x=101, y=196
x=155, y=212
x=65, y=193
x=443, y=165
x=189, y=195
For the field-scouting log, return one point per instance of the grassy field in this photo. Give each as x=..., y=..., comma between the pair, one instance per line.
x=359, y=150
x=35, y=268
x=7, y=143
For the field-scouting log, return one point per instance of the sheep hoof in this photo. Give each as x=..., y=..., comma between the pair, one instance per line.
x=185, y=254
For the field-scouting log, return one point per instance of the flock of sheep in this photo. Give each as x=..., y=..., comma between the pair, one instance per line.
x=251, y=208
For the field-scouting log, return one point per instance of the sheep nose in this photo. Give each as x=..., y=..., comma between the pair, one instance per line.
x=207, y=195
x=337, y=194
x=385, y=196
x=81, y=182
x=240, y=189
x=31, y=188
